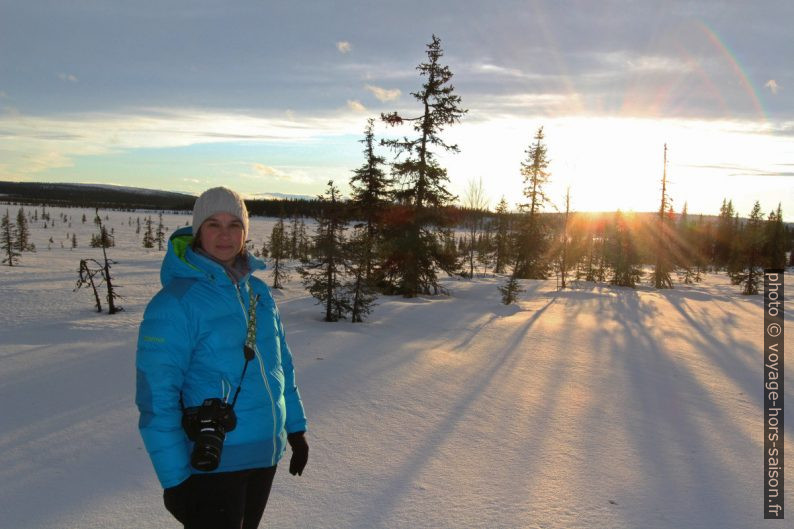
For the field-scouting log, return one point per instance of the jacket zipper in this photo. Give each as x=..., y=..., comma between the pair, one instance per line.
x=264, y=376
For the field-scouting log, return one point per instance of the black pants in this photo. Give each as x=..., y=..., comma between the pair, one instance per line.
x=224, y=500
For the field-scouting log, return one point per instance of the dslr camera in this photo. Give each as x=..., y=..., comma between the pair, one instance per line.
x=206, y=426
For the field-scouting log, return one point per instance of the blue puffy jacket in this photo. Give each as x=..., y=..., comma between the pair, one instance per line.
x=191, y=342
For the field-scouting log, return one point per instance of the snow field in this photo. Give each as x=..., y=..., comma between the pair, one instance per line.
x=596, y=407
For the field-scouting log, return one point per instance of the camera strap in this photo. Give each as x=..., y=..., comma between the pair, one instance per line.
x=249, y=349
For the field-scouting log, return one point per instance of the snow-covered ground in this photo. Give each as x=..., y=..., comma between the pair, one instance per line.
x=595, y=407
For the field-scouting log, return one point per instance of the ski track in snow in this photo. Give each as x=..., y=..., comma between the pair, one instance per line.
x=595, y=407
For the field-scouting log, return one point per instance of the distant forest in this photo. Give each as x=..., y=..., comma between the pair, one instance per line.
x=129, y=199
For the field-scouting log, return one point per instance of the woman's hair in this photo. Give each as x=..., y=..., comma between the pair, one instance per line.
x=196, y=242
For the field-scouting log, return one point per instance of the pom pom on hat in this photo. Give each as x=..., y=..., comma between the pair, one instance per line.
x=219, y=200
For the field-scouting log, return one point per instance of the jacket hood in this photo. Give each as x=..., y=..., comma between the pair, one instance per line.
x=182, y=262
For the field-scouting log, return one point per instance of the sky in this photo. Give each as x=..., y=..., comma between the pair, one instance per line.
x=273, y=97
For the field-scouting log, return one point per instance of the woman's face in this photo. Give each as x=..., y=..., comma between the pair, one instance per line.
x=222, y=236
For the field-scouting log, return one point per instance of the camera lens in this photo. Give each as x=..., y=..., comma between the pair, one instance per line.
x=207, y=450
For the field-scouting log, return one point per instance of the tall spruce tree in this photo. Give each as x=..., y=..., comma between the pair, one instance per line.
x=735, y=265
x=370, y=196
x=323, y=273
x=360, y=293
x=303, y=247
x=661, y=272
x=725, y=235
x=750, y=258
x=278, y=253
x=532, y=262
x=159, y=236
x=22, y=242
x=775, y=240
x=415, y=253
x=502, y=237
x=8, y=238
x=293, y=242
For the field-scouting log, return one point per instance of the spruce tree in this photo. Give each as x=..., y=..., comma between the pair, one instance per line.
x=278, y=253
x=370, y=193
x=775, y=240
x=105, y=242
x=303, y=244
x=159, y=237
x=532, y=263
x=8, y=238
x=359, y=289
x=564, y=253
x=414, y=252
x=750, y=258
x=510, y=289
x=725, y=235
x=704, y=247
x=735, y=265
x=22, y=242
x=595, y=267
x=502, y=237
x=102, y=239
x=661, y=273
x=292, y=238
x=622, y=255
x=148, y=235
x=322, y=275
x=485, y=246
x=684, y=249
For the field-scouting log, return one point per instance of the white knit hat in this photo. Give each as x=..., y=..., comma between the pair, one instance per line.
x=219, y=200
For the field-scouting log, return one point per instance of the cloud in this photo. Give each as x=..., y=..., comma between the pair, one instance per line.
x=773, y=86
x=67, y=77
x=356, y=106
x=32, y=144
x=266, y=170
x=3, y=94
x=493, y=69
x=272, y=173
x=739, y=170
x=343, y=46
x=383, y=94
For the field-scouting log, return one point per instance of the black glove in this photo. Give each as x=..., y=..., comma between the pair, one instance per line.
x=300, y=452
x=176, y=500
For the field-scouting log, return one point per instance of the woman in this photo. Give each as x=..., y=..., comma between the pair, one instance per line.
x=215, y=384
